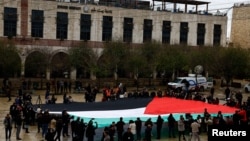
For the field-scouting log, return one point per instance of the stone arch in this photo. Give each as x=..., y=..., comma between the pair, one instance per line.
x=35, y=64
x=82, y=69
x=11, y=64
x=58, y=51
x=60, y=64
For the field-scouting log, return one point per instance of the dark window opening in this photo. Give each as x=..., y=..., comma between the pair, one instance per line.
x=128, y=29
x=107, y=26
x=201, y=30
x=184, y=33
x=62, y=25
x=166, y=32
x=217, y=34
x=37, y=20
x=10, y=21
x=147, y=30
x=85, y=27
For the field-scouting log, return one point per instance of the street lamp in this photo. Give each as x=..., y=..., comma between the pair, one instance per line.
x=136, y=79
x=116, y=75
x=198, y=70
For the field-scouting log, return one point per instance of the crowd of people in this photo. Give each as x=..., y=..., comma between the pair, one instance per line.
x=53, y=127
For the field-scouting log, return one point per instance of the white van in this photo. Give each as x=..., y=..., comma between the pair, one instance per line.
x=180, y=83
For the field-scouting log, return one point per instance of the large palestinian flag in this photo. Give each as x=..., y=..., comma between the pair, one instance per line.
x=131, y=108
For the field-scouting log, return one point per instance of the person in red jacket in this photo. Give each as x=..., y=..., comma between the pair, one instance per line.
x=243, y=117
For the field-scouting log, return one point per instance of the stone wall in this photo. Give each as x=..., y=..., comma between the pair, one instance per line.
x=240, y=31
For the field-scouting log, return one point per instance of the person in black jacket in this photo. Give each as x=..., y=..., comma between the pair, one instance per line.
x=45, y=120
x=80, y=129
x=148, y=133
x=18, y=122
x=171, y=125
x=59, y=126
x=90, y=131
x=159, y=123
x=39, y=115
x=120, y=128
x=65, y=120
x=138, y=124
x=27, y=119
x=73, y=125
x=147, y=122
x=112, y=131
x=50, y=135
x=128, y=136
x=8, y=126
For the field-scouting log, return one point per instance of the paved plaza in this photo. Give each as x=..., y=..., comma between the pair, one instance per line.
x=34, y=136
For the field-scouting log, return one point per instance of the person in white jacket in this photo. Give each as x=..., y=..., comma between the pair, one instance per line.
x=181, y=128
x=132, y=126
x=195, y=130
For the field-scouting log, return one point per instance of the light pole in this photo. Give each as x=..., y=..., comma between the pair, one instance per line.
x=198, y=70
x=116, y=75
x=136, y=79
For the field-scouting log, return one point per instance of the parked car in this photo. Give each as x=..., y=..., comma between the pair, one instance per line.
x=247, y=87
x=180, y=83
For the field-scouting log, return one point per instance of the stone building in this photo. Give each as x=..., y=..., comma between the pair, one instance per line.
x=240, y=30
x=61, y=24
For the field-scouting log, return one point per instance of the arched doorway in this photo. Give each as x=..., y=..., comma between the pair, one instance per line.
x=60, y=65
x=35, y=65
x=10, y=61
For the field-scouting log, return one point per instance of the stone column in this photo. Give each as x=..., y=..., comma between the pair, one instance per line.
x=154, y=74
x=115, y=75
x=92, y=75
x=73, y=74
x=23, y=58
x=47, y=73
x=24, y=17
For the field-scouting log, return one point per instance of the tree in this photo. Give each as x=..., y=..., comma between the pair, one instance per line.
x=135, y=64
x=233, y=63
x=206, y=57
x=150, y=51
x=38, y=61
x=10, y=62
x=60, y=65
x=113, y=57
x=211, y=57
x=83, y=58
x=172, y=59
x=35, y=65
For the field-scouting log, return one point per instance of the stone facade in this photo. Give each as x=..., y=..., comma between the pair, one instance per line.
x=24, y=40
x=240, y=31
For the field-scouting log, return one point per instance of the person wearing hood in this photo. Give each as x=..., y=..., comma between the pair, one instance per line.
x=90, y=131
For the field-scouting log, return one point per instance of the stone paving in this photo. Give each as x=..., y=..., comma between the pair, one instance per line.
x=34, y=136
